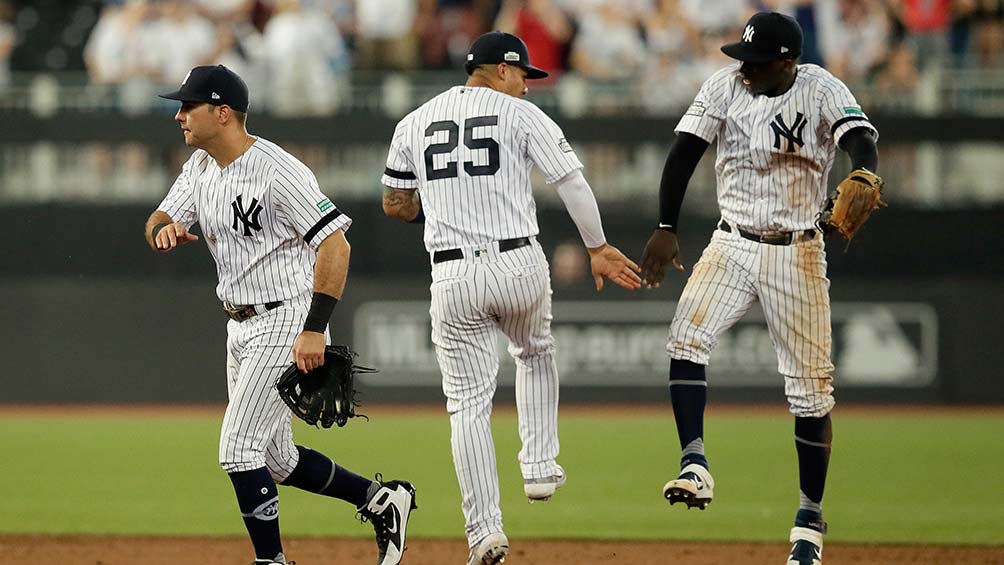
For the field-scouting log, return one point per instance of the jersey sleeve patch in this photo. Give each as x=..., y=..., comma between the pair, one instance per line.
x=325, y=205
x=564, y=146
x=697, y=109
x=853, y=111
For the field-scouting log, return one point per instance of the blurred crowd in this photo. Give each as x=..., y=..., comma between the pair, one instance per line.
x=301, y=48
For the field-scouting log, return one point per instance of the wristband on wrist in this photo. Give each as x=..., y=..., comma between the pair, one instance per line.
x=156, y=229
x=321, y=306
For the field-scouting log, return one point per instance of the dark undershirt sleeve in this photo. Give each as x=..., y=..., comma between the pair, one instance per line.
x=859, y=143
x=683, y=157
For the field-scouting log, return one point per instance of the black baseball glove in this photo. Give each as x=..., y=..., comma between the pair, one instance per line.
x=327, y=394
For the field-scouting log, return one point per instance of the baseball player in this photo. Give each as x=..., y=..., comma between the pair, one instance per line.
x=282, y=259
x=461, y=164
x=778, y=125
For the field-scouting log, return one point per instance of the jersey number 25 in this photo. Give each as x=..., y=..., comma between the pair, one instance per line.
x=471, y=142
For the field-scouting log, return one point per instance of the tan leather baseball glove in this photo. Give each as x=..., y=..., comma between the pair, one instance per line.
x=852, y=203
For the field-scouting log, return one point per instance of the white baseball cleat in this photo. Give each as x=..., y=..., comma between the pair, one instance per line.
x=491, y=550
x=541, y=490
x=389, y=510
x=694, y=487
x=806, y=547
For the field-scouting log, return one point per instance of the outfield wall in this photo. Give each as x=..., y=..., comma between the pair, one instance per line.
x=118, y=339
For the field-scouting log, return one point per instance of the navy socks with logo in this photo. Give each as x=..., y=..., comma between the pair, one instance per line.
x=813, y=437
x=258, y=499
x=688, y=391
x=318, y=474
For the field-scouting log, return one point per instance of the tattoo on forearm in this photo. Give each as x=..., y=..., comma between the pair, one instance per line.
x=400, y=199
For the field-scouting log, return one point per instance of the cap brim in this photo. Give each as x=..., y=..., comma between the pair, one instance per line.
x=181, y=97
x=743, y=51
x=533, y=72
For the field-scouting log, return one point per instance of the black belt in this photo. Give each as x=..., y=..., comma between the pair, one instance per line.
x=504, y=245
x=241, y=313
x=772, y=238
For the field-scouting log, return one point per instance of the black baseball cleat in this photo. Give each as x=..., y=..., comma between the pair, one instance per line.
x=693, y=487
x=388, y=510
x=806, y=547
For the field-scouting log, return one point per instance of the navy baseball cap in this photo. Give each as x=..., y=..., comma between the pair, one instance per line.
x=768, y=36
x=216, y=85
x=497, y=47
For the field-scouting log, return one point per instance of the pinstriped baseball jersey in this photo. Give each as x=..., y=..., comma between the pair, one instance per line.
x=469, y=152
x=263, y=217
x=774, y=153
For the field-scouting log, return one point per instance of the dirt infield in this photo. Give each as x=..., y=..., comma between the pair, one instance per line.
x=98, y=550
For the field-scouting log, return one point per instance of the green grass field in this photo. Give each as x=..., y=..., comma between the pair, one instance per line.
x=904, y=477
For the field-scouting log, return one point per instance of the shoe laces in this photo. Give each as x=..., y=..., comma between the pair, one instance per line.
x=379, y=521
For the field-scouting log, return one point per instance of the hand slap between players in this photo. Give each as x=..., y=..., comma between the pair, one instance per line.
x=662, y=249
x=173, y=235
x=607, y=261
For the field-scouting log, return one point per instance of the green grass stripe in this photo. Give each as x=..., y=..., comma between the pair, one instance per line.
x=905, y=477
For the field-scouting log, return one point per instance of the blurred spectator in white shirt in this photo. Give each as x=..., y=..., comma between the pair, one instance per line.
x=717, y=17
x=853, y=36
x=669, y=31
x=220, y=11
x=302, y=48
x=116, y=50
x=673, y=43
x=385, y=34
x=179, y=39
x=609, y=46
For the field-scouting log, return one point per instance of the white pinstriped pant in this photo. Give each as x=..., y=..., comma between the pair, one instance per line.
x=790, y=282
x=257, y=431
x=472, y=298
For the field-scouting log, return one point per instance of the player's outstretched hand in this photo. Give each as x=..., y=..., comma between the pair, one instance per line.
x=308, y=351
x=173, y=235
x=607, y=261
x=662, y=249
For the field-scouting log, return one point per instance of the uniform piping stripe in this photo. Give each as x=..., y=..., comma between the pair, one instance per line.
x=320, y=224
x=400, y=175
x=812, y=443
x=843, y=121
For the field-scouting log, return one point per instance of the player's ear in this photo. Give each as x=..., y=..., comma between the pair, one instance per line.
x=501, y=70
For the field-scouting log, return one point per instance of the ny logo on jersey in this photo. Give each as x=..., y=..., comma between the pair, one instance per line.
x=748, y=34
x=792, y=133
x=246, y=216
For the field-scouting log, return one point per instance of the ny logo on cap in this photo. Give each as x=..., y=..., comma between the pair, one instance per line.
x=512, y=56
x=748, y=34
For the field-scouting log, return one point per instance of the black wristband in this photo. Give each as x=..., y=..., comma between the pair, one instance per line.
x=321, y=306
x=156, y=229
